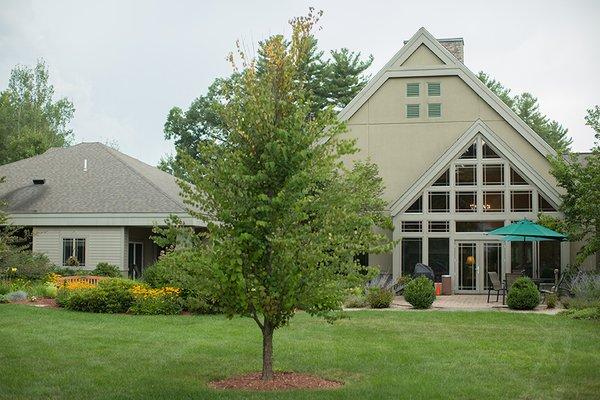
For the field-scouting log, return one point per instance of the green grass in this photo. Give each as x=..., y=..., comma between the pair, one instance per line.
x=57, y=354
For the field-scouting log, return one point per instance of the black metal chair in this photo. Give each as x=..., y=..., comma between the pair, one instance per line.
x=496, y=286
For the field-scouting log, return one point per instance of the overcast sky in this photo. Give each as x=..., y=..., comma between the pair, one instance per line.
x=124, y=64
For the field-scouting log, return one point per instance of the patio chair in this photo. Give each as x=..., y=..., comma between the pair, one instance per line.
x=496, y=286
x=510, y=278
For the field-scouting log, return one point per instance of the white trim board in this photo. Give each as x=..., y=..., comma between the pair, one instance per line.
x=478, y=127
x=452, y=67
x=99, y=219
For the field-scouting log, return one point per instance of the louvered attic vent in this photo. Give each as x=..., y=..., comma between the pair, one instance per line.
x=434, y=89
x=412, y=111
x=412, y=90
x=434, y=110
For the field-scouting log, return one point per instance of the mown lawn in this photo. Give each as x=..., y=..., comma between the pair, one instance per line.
x=57, y=354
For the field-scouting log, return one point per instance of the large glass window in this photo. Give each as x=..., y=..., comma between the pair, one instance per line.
x=439, y=257
x=516, y=179
x=493, y=201
x=439, y=202
x=488, y=152
x=439, y=226
x=416, y=207
x=411, y=226
x=466, y=175
x=470, y=152
x=544, y=205
x=520, y=201
x=477, y=226
x=74, y=248
x=466, y=201
x=443, y=180
x=411, y=254
x=520, y=263
x=549, y=260
x=493, y=174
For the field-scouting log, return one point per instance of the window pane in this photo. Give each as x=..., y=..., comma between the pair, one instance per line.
x=493, y=174
x=549, y=259
x=411, y=226
x=439, y=202
x=466, y=201
x=80, y=251
x=516, y=255
x=67, y=250
x=516, y=179
x=520, y=201
x=544, y=204
x=466, y=175
x=493, y=201
x=411, y=254
x=439, y=257
x=439, y=226
x=416, y=207
x=478, y=226
x=470, y=152
x=488, y=152
x=443, y=180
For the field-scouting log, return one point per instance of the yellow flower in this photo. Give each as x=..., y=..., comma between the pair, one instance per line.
x=13, y=269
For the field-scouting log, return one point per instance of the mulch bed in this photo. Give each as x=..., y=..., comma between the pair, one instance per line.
x=281, y=381
x=47, y=303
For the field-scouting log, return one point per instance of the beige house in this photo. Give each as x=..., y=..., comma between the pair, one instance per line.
x=92, y=202
x=456, y=163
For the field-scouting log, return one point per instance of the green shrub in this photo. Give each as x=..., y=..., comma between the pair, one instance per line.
x=25, y=265
x=3, y=299
x=162, y=304
x=420, y=292
x=379, y=298
x=591, y=313
x=578, y=303
x=551, y=300
x=356, y=301
x=189, y=271
x=112, y=295
x=523, y=295
x=106, y=269
x=4, y=288
x=68, y=271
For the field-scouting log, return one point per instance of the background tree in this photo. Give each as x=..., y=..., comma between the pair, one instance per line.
x=291, y=216
x=31, y=121
x=581, y=202
x=330, y=82
x=526, y=107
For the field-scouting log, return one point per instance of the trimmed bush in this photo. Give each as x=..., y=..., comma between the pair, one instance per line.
x=106, y=269
x=523, y=295
x=379, y=298
x=420, y=292
x=356, y=301
x=110, y=296
x=189, y=271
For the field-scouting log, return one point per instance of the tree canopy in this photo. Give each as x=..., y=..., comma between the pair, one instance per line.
x=291, y=215
x=31, y=121
x=330, y=82
x=526, y=106
x=581, y=202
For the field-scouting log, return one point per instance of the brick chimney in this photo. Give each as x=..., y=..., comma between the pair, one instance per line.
x=454, y=46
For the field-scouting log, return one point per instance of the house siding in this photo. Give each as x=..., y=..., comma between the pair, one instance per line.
x=103, y=244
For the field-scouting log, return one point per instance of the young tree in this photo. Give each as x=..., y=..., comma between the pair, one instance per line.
x=581, y=202
x=332, y=82
x=526, y=107
x=286, y=216
x=30, y=120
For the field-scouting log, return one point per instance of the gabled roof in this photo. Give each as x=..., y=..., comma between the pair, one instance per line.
x=451, y=66
x=477, y=128
x=113, y=183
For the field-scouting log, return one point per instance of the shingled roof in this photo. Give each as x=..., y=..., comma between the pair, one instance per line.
x=111, y=182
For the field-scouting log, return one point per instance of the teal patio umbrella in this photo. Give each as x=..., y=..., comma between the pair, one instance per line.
x=526, y=231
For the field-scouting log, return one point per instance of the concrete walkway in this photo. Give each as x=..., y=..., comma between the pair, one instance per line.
x=468, y=302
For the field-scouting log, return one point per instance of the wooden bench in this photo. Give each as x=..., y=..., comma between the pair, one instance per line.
x=91, y=279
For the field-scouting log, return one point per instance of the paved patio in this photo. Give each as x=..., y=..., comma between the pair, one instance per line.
x=468, y=302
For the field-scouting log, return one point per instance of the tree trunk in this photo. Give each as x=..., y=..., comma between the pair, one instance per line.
x=267, y=370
